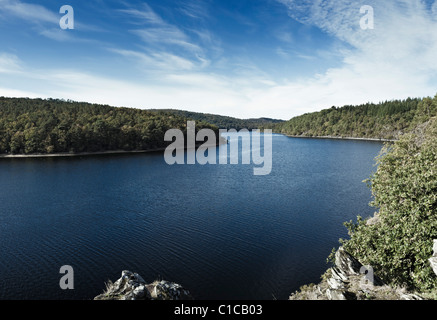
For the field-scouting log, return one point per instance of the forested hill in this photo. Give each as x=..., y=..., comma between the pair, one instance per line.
x=37, y=126
x=386, y=120
x=225, y=122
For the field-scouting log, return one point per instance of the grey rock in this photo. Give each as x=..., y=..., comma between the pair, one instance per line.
x=339, y=274
x=335, y=284
x=410, y=296
x=335, y=294
x=433, y=259
x=131, y=286
x=345, y=264
x=348, y=279
x=373, y=220
x=165, y=290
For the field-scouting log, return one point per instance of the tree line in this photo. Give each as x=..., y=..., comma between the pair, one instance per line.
x=385, y=120
x=225, y=122
x=45, y=126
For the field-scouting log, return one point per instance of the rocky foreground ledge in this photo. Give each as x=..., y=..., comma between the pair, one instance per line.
x=131, y=286
x=348, y=279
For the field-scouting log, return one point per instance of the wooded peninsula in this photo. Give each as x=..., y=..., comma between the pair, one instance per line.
x=37, y=126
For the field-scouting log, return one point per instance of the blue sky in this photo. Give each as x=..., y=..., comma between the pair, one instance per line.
x=243, y=58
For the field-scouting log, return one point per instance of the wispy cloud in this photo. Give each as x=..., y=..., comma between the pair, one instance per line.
x=146, y=15
x=182, y=86
x=186, y=90
x=395, y=60
x=10, y=63
x=57, y=34
x=161, y=62
x=33, y=13
x=160, y=36
x=184, y=66
x=45, y=22
x=167, y=36
x=195, y=9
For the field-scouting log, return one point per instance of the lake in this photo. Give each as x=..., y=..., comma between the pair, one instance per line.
x=219, y=230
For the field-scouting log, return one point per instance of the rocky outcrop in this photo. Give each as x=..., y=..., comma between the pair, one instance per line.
x=131, y=286
x=433, y=259
x=348, y=279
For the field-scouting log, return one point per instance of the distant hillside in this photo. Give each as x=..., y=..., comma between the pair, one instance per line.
x=37, y=126
x=225, y=122
x=385, y=120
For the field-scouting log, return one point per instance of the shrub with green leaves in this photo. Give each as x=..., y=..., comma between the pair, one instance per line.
x=399, y=244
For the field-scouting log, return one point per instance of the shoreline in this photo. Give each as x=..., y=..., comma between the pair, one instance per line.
x=78, y=154
x=97, y=153
x=343, y=138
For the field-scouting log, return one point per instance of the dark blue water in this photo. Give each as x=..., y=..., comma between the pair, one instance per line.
x=218, y=230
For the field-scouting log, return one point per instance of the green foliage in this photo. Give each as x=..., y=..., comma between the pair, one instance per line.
x=404, y=187
x=29, y=126
x=386, y=120
x=224, y=122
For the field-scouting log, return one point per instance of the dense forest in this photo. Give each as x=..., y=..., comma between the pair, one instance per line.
x=37, y=126
x=225, y=122
x=45, y=126
x=385, y=120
